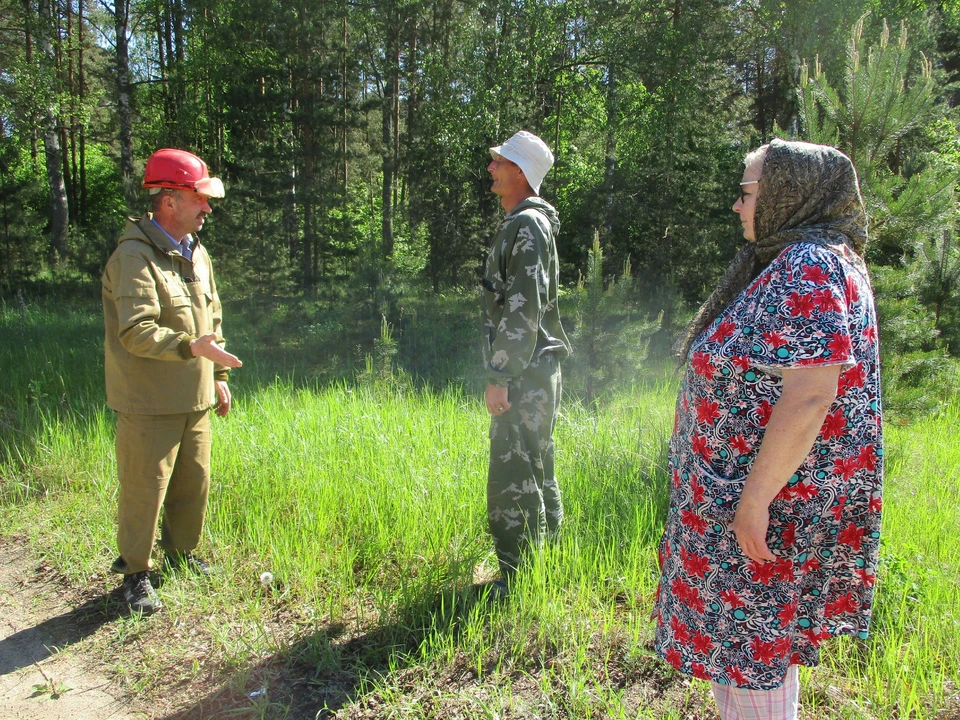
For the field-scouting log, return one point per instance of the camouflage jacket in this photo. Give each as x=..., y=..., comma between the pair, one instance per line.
x=520, y=284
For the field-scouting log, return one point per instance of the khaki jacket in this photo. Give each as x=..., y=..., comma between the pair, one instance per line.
x=155, y=302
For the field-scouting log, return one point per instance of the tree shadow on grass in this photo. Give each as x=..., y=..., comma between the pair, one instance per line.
x=323, y=672
x=34, y=644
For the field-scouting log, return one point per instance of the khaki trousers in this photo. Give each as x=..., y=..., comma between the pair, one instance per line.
x=162, y=461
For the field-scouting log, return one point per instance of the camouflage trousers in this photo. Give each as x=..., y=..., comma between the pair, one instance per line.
x=523, y=498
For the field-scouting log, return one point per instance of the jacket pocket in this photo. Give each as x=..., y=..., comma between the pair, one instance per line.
x=176, y=311
x=177, y=301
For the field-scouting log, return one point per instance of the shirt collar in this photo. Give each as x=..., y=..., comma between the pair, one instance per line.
x=175, y=245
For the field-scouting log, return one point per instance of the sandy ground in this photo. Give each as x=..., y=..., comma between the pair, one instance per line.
x=46, y=670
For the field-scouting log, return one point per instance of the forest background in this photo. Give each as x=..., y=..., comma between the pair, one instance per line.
x=353, y=138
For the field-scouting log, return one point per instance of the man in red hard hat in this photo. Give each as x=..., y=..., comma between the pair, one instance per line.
x=165, y=369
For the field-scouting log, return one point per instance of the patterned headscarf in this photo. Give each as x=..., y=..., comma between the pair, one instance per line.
x=807, y=193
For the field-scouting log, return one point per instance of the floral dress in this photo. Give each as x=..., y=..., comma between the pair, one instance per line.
x=720, y=615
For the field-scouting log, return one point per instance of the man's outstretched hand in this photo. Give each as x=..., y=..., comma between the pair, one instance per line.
x=206, y=346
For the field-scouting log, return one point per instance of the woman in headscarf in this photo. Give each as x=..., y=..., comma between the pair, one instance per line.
x=776, y=459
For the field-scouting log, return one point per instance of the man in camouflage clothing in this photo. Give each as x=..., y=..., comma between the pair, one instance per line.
x=523, y=346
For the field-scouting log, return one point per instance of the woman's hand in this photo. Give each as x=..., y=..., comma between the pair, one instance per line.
x=750, y=526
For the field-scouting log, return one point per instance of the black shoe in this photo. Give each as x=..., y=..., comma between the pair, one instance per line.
x=187, y=561
x=139, y=593
x=497, y=590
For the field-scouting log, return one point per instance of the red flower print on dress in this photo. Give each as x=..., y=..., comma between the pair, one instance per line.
x=852, y=378
x=681, y=632
x=786, y=492
x=851, y=535
x=869, y=333
x=736, y=675
x=766, y=408
x=787, y=613
x=826, y=301
x=698, y=491
x=695, y=565
x=707, y=411
x=805, y=490
x=783, y=646
x=783, y=567
x=701, y=365
x=876, y=504
x=701, y=447
x=843, y=604
x=834, y=425
x=801, y=304
x=702, y=643
x=840, y=345
x=724, y=330
x=815, y=274
x=846, y=467
x=789, y=534
x=693, y=521
x=681, y=588
x=775, y=339
x=673, y=657
x=739, y=444
x=742, y=363
x=687, y=594
x=810, y=564
x=816, y=636
x=867, y=458
x=837, y=509
x=851, y=292
x=699, y=670
x=866, y=577
x=762, y=572
x=731, y=598
x=762, y=650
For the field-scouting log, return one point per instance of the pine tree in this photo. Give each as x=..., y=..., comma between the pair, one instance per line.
x=885, y=115
x=610, y=337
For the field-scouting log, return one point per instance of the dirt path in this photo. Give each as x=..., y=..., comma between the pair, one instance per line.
x=46, y=669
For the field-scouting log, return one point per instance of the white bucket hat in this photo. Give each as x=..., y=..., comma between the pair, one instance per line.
x=530, y=153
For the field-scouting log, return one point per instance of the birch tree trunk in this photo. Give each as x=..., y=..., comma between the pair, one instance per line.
x=59, y=211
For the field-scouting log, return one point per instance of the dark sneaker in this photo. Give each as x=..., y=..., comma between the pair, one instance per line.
x=497, y=590
x=187, y=561
x=139, y=593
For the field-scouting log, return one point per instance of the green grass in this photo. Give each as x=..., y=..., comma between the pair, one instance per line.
x=366, y=503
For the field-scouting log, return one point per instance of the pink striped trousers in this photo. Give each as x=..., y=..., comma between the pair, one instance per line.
x=744, y=704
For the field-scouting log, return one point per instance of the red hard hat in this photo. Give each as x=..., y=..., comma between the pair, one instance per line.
x=179, y=169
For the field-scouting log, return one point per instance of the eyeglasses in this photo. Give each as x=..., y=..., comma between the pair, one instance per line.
x=743, y=195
